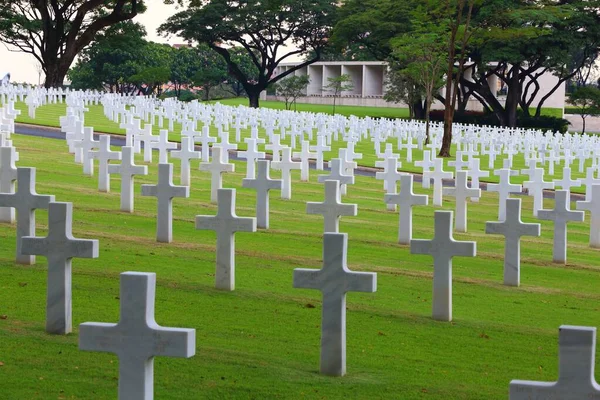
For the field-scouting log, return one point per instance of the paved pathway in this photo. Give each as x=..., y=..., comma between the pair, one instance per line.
x=592, y=124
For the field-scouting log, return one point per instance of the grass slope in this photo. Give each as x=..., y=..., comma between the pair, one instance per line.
x=262, y=340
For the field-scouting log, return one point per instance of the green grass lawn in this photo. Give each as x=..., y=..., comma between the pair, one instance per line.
x=262, y=340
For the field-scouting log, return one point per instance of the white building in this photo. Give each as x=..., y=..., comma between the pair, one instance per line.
x=368, y=78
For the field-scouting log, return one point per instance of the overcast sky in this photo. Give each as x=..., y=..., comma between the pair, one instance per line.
x=23, y=67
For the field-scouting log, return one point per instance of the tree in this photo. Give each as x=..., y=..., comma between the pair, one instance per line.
x=587, y=100
x=56, y=31
x=425, y=57
x=291, y=88
x=523, y=40
x=185, y=65
x=337, y=85
x=261, y=28
x=111, y=59
x=150, y=80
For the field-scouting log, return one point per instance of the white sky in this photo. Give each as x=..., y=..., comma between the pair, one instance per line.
x=23, y=67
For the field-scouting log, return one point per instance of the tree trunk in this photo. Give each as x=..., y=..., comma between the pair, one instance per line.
x=583, y=130
x=512, y=97
x=253, y=98
x=55, y=74
x=418, y=110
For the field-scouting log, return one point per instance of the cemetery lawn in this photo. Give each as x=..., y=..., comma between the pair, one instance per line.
x=261, y=341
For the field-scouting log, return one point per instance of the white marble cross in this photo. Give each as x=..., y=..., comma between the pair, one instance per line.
x=251, y=155
x=458, y=163
x=25, y=201
x=336, y=173
x=560, y=215
x=576, y=381
x=205, y=139
x=443, y=248
x=332, y=208
x=127, y=169
x=504, y=189
x=225, y=146
x=438, y=175
x=87, y=144
x=226, y=223
x=165, y=191
x=405, y=200
x=216, y=168
x=262, y=184
x=286, y=165
x=390, y=175
x=535, y=188
x=59, y=247
x=319, y=149
x=163, y=146
x=334, y=280
x=475, y=172
x=275, y=146
x=566, y=183
x=136, y=339
x=426, y=164
x=589, y=181
x=513, y=229
x=104, y=154
x=8, y=176
x=185, y=154
x=593, y=206
x=146, y=137
x=305, y=155
x=461, y=192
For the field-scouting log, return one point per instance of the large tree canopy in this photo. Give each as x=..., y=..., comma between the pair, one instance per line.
x=262, y=28
x=56, y=31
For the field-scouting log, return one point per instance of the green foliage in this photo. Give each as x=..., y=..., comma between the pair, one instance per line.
x=338, y=84
x=262, y=29
x=55, y=32
x=291, y=88
x=587, y=101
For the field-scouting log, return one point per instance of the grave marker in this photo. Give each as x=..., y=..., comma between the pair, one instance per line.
x=136, y=339
x=405, y=200
x=59, y=247
x=334, y=280
x=127, y=169
x=262, y=184
x=332, y=208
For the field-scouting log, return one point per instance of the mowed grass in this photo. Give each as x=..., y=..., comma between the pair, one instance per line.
x=261, y=341
x=48, y=115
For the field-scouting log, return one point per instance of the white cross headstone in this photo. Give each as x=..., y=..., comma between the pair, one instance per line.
x=305, y=155
x=589, y=181
x=535, y=188
x=438, y=175
x=146, y=137
x=59, y=247
x=127, y=169
x=185, y=154
x=560, y=215
x=251, y=155
x=286, y=165
x=205, y=139
x=262, y=184
x=390, y=175
x=136, y=339
x=513, y=229
x=461, y=192
x=336, y=173
x=593, y=206
x=165, y=191
x=334, y=280
x=475, y=172
x=216, y=168
x=566, y=183
x=332, y=208
x=163, y=146
x=25, y=201
x=8, y=176
x=405, y=200
x=426, y=164
x=87, y=144
x=504, y=189
x=104, y=154
x=226, y=223
x=443, y=248
x=319, y=149
x=576, y=381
